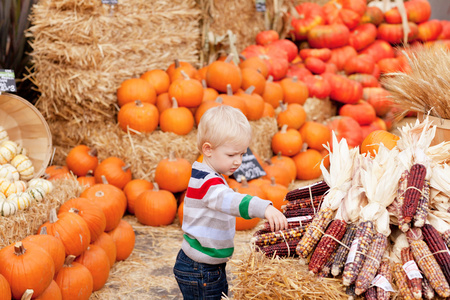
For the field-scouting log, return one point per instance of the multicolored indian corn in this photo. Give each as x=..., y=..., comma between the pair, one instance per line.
x=371, y=293
x=304, y=203
x=371, y=263
x=422, y=208
x=384, y=270
x=318, y=188
x=350, y=291
x=314, y=232
x=326, y=269
x=415, y=284
x=438, y=247
x=401, y=281
x=363, y=239
x=301, y=212
x=416, y=180
x=282, y=249
x=271, y=238
x=342, y=251
x=427, y=290
x=402, y=185
x=327, y=245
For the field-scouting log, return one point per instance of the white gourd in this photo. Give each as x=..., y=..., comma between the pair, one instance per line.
x=3, y=135
x=37, y=193
x=9, y=172
x=21, y=185
x=2, y=197
x=8, y=151
x=44, y=183
x=24, y=165
x=23, y=200
x=21, y=150
x=7, y=208
x=7, y=187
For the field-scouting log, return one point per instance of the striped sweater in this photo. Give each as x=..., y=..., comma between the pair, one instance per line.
x=210, y=208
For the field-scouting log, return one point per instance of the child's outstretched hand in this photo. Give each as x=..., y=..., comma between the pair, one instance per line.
x=276, y=218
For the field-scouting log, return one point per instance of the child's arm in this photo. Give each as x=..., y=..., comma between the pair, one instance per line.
x=277, y=219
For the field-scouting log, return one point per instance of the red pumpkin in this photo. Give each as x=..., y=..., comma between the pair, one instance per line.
x=366, y=80
x=389, y=65
x=417, y=11
x=379, y=98
x=361, y=111
x=328, y=36
x=315, y=65
x=373, y=15
x=343, y=89
x=298, y=70
x=362, y=36
x=348, y=128
x=323, y=54
x=124, y=238
x=429, y=30
x=310, y=14
x=317, y=86
x=347, y=12
x=363, y=63
x=339, y=56
x=276, y=60
x=378, y=124
x=266, y=37
x=378, y=50
x=286, y=45
x=393, y=33
x=445, y=33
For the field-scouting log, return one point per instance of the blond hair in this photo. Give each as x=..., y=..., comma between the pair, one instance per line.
x=223, y=124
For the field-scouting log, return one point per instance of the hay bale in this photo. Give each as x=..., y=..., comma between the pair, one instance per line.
x=26, y=222
x=82, y=51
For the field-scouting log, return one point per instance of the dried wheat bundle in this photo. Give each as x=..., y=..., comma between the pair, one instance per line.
x=427, y=86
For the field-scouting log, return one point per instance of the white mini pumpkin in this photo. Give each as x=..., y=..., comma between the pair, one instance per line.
x=24, y=165
x=23, y=200
x=37, y=193
x=8, y=151
x=7, y=208
x=7, y=187
x=9, y=172
x=3, y=135
x=44, y=183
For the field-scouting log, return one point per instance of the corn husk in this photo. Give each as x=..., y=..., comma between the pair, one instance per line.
x=440, y=220
x=441, y=178
x=400, y=241
x=440, y=153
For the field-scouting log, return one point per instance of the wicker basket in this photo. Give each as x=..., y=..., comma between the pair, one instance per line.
x=27, y=127
x=442, y=128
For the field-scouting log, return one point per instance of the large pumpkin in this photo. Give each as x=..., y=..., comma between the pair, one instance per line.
x=222, y=73
x=135, y=89
x=187, y=91
x=138, y=116
x=156, y=207
x=328, y=36
x=96, y=261
x=362, y=112
x=372, y=142
x=133, y=189
x=310, y=14
x=125, y=238
x=173, y=167
x=74, y=280
x=378, y=50
x=106, y=242
x=308, y=164
x=393, y=33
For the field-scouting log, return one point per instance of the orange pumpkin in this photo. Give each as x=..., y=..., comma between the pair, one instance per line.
x=286, y=163
x=133, y=189
x=51, y=244
x=256, y=64
x=278, y=172
x=205, y=106
x=251, y=77
x=234, y=100
x=91, y=214
x=175, y=68
x=115, y=171
x=124, y=238
x=71, y=229
x=348, y=128
x=180, y=212
x=254, y=103
x=315, y=134
x=159, y=79
x=273, y=93
x=15, y=262
x=156, y=207
x=173, y=167
x=308, y=164
x=106, y=242
x=268, y=111
x=74, y=280
x=276, y=193
x=5, y=289
x=176, y=119
x=96, y=261
x=53, y=292
x=82, y=159
x=222, y=73
x=57, y=172
x=110, y=199
x=187, y=91
x=293, y=115
x=372, y=141
x=287, y=141
x=87, y=181
x=135, y=89
x=138, y=116
x=294, y=91
x=163, y=102
x=208, y=93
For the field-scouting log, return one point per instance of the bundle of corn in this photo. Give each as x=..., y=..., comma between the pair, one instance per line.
x=89, y=48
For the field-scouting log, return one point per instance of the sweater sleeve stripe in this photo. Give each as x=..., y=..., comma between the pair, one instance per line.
x=218, y=253
x=199, y=193
x=243, y=207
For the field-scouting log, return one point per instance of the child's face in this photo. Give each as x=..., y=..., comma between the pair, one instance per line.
x=224, y=159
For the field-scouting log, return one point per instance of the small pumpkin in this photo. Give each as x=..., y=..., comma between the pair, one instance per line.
x=378, y=50
x=52, y=292
x=46, y=185
x=23, y=200
x=340, y=55
x=363, y=63
x=115, y=170
x=133, y=189
x=24, y=166
x=135, y=89
x=56, y=172
x=106, y=242
x=74, y=280
x=276, y=193
x=266, y=37
x=177, y=119
x=293, y=115
x=138, y=116
x=96, y=261
x=7, y=208
x=82, y=159
x=328, y=36
x=252, y=190
x=310, y=14
x=323, y=54
x=343, y=89
x=124, y=238
x=88, y=180
x=156, y=207
x=254, y=103
x=362, y=112
x=251, y=77
x=222, y=73
x=187, y=91
x=209, y=94
x=315, y=65
x=372, y=142
x=348, y=128
x=163, y=102
x=362, y=36
x=8, y=149
x=294, y=90
x=308, y=164
x=256, y=64
x=315, y=135
x=366, y=80
x=278, y=172
x=273, y=92
x=173, y=167
x=286, y=163
x=287, y=141
x=159, y=79
x=205, y=106
x=318, y=87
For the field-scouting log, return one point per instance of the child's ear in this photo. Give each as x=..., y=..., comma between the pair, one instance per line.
x=206, y=149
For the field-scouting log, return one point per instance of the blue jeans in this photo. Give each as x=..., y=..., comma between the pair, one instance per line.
x=198, y=280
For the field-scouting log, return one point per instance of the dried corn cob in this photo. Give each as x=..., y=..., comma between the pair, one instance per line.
x=326, y=269
x=385, y=271
x=446, y=236
x=422, y=208
x=371, y=293
x=265, y=227
x=318, y=188
x=416, y=180
x=371, y=263
x=278, y=236
x=427, y=263
x=401, y=281
x=361, y=243
x=341, y=251
x=427, y=290
x=299, y=212
x=402, y=185
x=314, y=232
x=327, y=245
x=438, y=247
x=414, y=284
x=350, y=291
x=304, y=203
x=281, y=249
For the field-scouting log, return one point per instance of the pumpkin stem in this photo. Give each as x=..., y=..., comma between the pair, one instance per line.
x=93, y=152
x=204, y=85
x=272, y=181
x=279, y=155
x=304, y=147
x=69, y=260
x=244, y=182
x=250, y=90
x=27, y=294
x=43, y=230
x=229, y=58
x=99, y=194
x=53, y=217
x=270, y=78
x=219, y=100
x=283, y=105
x=138, y=103
x=268, y=162
x=185, y=76
x=174, y=102
x=19, y=249
x=155, y=187
x=242, y=57
x=126, y=167
x=294, y=79
x=284, y=128
x=172, y=156
x=229, y=90
x=104, y=180
x=177, y=63
x=90, y=173
x=74, y=210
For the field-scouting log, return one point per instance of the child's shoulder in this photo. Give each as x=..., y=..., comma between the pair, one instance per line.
x=202, y=171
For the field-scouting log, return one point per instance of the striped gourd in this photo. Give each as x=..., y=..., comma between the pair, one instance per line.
x=7, y=187
x=24, y=165
x=416, y=180
x=3, y=135
x=422, y=208
x=342, y=250
x=401, y=281
x=23, y=200
x=8, y=208
x=8, y=171
x=44, y=183
x=327, y=245
x=21, y=186
x=385, y=271
x=363, y=238
x=427, y=263
x=314, y=232
x=437, y=246
x=415, y=284
x=371, y=263
x=8, y=150
x=37, y=193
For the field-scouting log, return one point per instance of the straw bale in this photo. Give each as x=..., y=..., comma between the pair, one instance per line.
x=83, y=50
x=144, y=151
x=26, y=222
